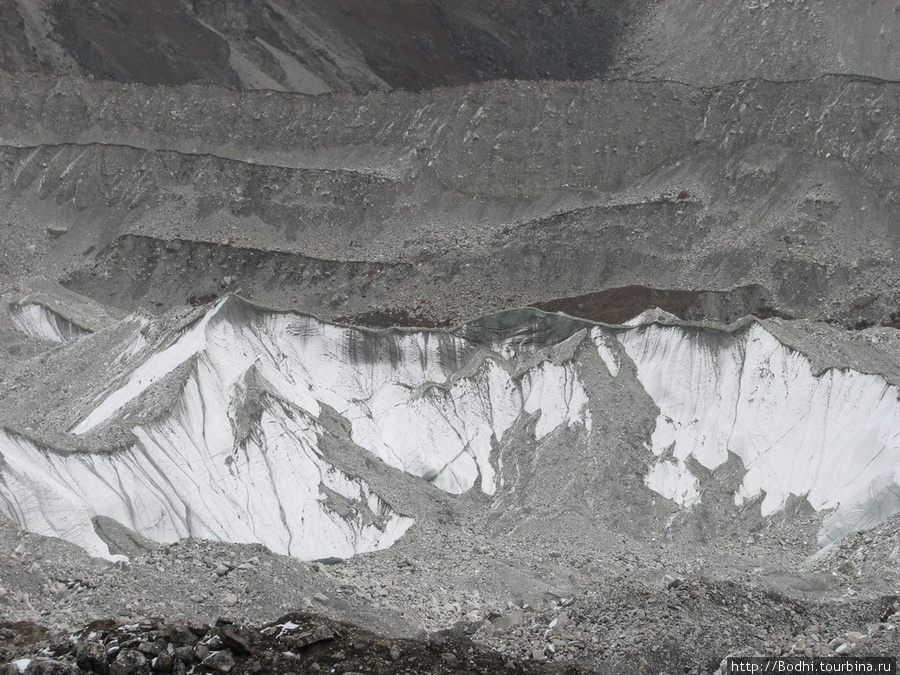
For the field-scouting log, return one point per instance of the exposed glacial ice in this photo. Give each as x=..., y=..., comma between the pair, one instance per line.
x=833, y=437
x=211, y=469
x=401, y=392
x=39, y=321
x=605, y=348
x=240, y=457
x=189, y=476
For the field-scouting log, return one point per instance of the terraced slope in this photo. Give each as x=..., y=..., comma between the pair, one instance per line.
x=450, y=203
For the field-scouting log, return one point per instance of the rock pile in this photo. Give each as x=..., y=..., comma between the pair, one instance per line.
x=295, y=643
x=606, y=603
x=692, y=621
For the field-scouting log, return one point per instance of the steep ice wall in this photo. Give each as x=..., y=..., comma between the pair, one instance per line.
x=240, y=454
x=42, y=322
x=274, y=487
x=238, y=457
x=402, y=392
x=832, y=437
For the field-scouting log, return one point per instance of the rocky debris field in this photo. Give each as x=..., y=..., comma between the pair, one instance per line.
x=365, y=162
x=613, y=631
x=295, y=643
x=452, y=600
x=451, y=203
x=692, y=622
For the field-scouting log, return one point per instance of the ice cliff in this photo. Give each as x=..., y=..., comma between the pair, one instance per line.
x=238, y=453
x=238, y=458
x=37, y=320
x=833, y=437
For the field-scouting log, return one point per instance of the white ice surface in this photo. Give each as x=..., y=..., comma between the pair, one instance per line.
x=833, y=438
x=188, y=477
x=404, y=405
x=652, y=315
x=204, y=470
x=558, y=395
x=38, y=321
x=156, y=367
x=194, y=473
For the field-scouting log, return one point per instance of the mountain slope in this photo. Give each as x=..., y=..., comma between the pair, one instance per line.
x=320, y=46
x=706, y=43
x=314, y=46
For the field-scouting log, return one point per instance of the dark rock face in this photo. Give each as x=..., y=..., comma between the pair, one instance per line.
x=129, y=662
x=91, y=657
x=317, y=46
x=153, y=42
x=15, y=52
x=618, y=305
x=43, y=666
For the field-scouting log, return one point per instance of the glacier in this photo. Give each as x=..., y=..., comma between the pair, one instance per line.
x=238, y=459
x=831, y=437
x=240, y=454
x=39, y=321
x=402, y=392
